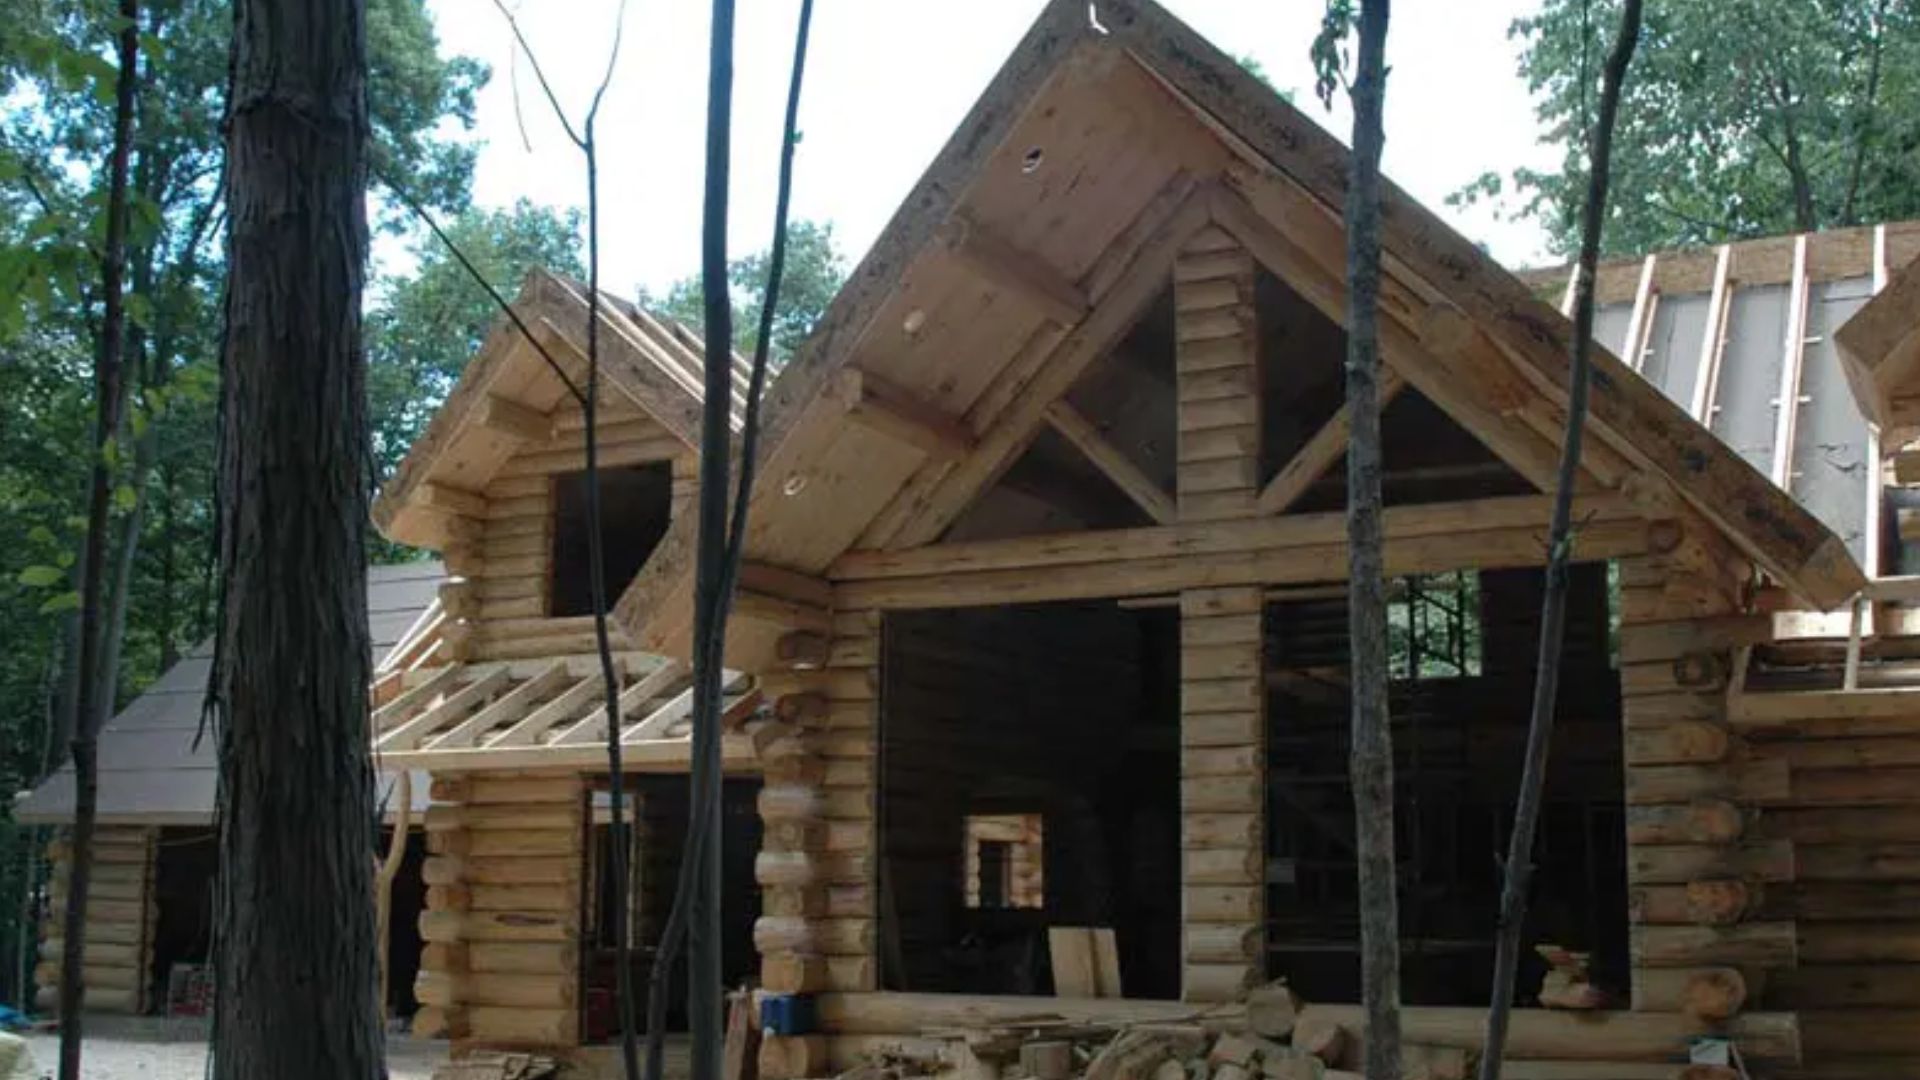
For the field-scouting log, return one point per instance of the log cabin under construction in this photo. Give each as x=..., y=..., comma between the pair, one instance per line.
x=1042, y=623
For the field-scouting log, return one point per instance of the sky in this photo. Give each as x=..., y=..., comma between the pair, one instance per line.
x=887, y=82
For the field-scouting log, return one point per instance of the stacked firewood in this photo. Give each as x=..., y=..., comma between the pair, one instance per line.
x=1272, y=1041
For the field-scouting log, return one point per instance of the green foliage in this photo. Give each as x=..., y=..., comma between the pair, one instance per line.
x=1741, y=118
x=429, y=324
x=57, y=78
x=814, y=272
x=1329, y=49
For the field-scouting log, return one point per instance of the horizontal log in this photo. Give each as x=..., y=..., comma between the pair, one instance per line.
x=524, y=958
x=505, y=843
x=1703, y=821
x=519, y=989
x=1841, y=826
x=523, y=1026
x=506, y=789
x=1682, y=742
x=1742, y=782
x=1217, y=982
x=1860, y=943
x=1768, y=860
x=1222, y=942
x=479, y=818
x=1122, y=577
x=1223, y=866
x=1860, y=862
x=1768, y=944
x=474, y=926
x=1839, y=985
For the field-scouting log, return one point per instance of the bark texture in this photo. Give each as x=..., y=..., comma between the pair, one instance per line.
x=1553, y=603
x=93, y=695
x=297, y=962
x=1372, y=759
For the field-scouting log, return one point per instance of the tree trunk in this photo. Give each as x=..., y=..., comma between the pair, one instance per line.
x=89, y=692
x=1553, y=605
x=296, y=960
x=1372, y=759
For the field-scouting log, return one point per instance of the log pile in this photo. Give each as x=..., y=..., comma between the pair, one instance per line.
x=1270, y=1038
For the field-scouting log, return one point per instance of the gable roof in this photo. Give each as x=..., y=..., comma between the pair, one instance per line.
x=1045, y=227
x=151, y=773
x=506, y=397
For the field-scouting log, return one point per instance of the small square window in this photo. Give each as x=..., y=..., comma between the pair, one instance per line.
x=1004, y=859
x=636, y=505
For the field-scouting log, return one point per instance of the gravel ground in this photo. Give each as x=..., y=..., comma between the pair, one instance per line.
x=142, y=1048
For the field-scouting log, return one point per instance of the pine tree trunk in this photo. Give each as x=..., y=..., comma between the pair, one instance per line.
x=296, y=963
x=1372, y=759
x=89, y=693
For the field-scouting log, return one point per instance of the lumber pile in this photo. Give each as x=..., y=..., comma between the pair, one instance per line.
x=1269, y=1038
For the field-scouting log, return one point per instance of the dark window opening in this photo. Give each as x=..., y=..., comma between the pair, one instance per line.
x=636, y=505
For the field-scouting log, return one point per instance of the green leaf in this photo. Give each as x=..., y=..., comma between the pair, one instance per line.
x=40, y=577
x=124, y=498
x=58, y=602
x=43, y=536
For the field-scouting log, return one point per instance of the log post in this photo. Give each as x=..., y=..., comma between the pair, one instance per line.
x=1222, y=677
x=816, y=868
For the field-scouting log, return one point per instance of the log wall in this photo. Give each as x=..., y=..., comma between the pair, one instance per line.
x=121, y=916
x=816, y=867
x=501, y=963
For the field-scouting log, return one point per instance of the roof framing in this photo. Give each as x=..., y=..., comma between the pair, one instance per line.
x=1458, y=328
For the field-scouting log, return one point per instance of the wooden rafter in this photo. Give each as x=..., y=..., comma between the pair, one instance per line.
x=884, y=408
x=511, y=706
x=451, y=500
x=593, y=726
x=1111, y=460
x=1318, y=455
x=390, y=714
x=564, y=707
x=1793, y=353
x=408, y=735
x=1020, y=273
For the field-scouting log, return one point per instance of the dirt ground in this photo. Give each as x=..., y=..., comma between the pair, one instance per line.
x=141, y=1048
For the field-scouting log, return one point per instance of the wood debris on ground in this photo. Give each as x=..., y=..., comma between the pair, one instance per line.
x=491, y=1066
x=1271, y=1041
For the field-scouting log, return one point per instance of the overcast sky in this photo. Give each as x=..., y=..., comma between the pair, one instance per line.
x=887, y=82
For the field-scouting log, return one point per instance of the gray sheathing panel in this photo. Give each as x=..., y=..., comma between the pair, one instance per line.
x=1830, y=440
x=1610, y=326
x=1750, y=373
x=1673, y=346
